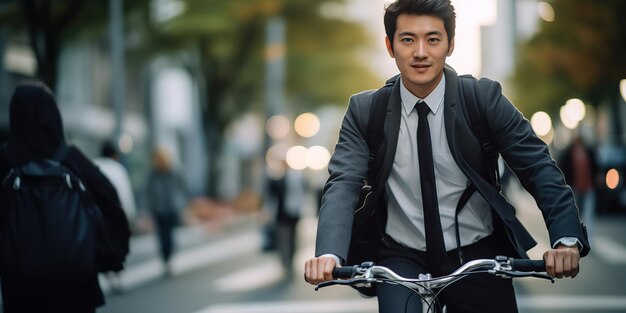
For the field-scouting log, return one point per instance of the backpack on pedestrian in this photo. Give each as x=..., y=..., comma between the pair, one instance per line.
x=49, y=225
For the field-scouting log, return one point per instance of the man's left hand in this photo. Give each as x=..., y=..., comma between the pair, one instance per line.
x=562, y=261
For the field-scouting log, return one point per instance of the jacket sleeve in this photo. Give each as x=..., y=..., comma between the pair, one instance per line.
x=348, y=170
x=528, y=156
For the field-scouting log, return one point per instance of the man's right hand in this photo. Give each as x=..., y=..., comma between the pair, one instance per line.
x=320, y=269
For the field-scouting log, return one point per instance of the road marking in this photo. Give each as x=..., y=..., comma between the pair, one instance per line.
x=311, y=306
x=556, y=302
x=573, y=303
x=189, y=259
x=264, y=273
x=609, y=250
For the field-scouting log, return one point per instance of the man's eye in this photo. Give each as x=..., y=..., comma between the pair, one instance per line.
x=434, y=40
x=406, y=39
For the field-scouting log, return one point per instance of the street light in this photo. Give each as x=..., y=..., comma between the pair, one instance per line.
x=622, y=88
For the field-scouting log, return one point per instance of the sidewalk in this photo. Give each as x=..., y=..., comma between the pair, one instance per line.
x=196, y=246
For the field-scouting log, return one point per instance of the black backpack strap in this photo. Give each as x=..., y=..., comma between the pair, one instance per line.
x=469, y=93
x=468, y=88
x=375, y=126
x=465, y=196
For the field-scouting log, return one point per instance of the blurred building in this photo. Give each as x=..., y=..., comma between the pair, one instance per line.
x=161, y=103
x=518, y=20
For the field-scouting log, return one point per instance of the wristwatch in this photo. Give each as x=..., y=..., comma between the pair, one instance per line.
x=568, y=242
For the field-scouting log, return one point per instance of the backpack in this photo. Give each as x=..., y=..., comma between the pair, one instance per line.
x=48, y=226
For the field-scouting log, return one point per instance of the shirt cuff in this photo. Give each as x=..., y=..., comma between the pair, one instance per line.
x=565, y=240
x=336, y=258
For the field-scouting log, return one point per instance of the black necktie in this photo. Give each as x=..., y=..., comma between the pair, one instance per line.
x=435, y=247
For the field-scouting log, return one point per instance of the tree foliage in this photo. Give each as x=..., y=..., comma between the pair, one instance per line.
x=582, y=54
x=227, y=40
x=321, y=55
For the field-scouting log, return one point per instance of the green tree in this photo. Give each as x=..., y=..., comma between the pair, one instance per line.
x=321, y=56
x=45, y=22
x=228, y=40
x=582, y=54
x=47, y=25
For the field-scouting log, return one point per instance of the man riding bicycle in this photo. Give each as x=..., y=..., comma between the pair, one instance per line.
x=436, y=199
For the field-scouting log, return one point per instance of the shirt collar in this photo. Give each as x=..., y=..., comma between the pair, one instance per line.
x=434, y=100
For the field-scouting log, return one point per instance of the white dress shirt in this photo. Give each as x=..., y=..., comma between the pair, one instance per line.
x=405, y=223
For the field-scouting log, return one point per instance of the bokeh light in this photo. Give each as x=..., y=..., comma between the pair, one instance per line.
x=575, y=109
x=566, y=119
x=318, y=157
x=541, y=123
x=126, y=143
x=307, y=124
x=277, y=126
x=275, y=156
x=297, y=157
x=612, y=178
x=546, y=11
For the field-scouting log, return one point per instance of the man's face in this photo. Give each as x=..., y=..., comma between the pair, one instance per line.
x=420, y=47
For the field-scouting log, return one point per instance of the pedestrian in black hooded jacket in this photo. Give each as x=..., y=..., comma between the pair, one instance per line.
x=36, y=131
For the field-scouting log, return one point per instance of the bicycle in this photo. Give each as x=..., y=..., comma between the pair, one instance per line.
x=427, y=287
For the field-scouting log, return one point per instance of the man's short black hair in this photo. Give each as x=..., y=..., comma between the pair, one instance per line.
x=439, y=8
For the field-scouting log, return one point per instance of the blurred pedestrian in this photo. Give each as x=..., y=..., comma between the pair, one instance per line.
x=109, y=164
x=287, y=192
x=166, y=196
x=36, y=133
x=580, y=169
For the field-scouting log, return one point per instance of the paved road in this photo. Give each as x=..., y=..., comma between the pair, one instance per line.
x=225, y=272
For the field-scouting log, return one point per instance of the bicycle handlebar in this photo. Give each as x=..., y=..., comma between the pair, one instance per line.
x=345, y=271
x=525, y=265
x=368, y=273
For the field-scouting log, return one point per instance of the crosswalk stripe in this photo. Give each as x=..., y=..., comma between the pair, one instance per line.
x=571, y=303
x=264, y=273
x=609, y=250
x=326, y=306
x=189, y=259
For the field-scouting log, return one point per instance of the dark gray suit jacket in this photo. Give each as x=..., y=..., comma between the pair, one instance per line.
x=525, y=153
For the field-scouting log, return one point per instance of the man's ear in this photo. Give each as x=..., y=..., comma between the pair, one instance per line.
x=389, y=47
x=451, y=47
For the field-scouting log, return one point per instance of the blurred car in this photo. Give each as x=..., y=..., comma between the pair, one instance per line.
x=611, y=192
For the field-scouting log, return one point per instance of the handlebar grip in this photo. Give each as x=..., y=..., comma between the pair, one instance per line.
x=344, y=271
x=524, y=265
